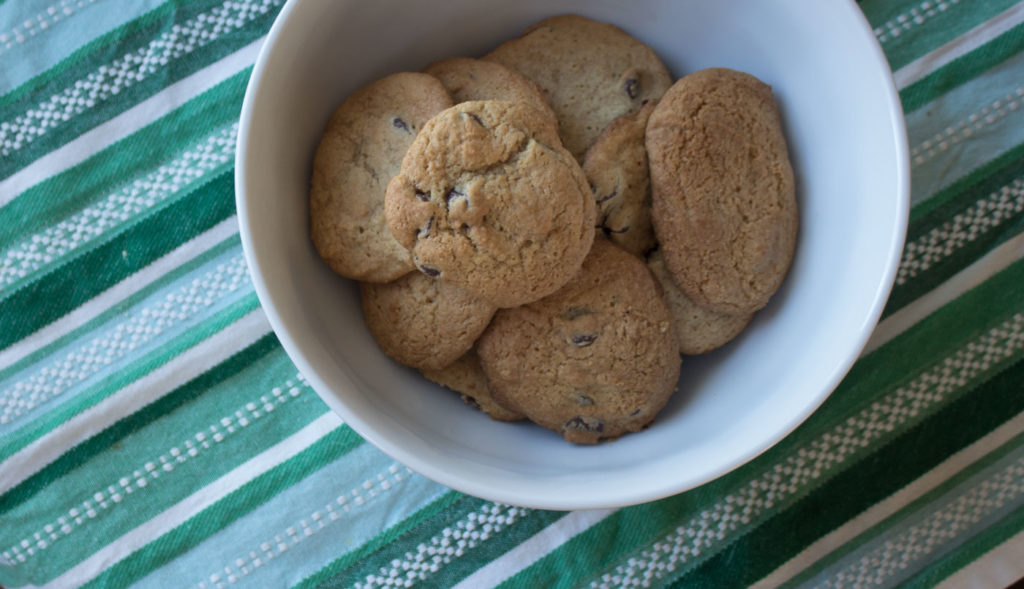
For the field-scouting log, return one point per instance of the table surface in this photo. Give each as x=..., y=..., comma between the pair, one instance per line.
x=153, y=431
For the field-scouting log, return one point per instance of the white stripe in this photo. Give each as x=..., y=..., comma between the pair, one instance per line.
x=962, y=45
x=181, y=255
x=981, y=270
x=183, y=368
x=535, y=547
x=894, y=503
x=128, y=122
x=999, y=567
x=175, y=515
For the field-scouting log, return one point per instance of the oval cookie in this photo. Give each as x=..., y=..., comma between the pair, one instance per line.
x=361, y=149
x=724, y=205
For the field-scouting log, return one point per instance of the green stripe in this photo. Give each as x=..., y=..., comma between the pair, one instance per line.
x=972, y=550
x=146, y=445
x=407, y=525
x=102, y=441
x=93, y=271
x=874, y=376
x=962, y=69
x=940, y=29
x=174, y=71
x=861, y=485
x=952, y=205
x=122, y=308
x=964, y=183
x=92, y=395
x=65, y=194
x=909, y=514
x=235, y=505
x=878, y=12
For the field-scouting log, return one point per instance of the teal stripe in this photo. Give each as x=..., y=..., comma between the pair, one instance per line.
x=105, y=110
x=103, y=441
x=962, y=69
x=131, y=372
x=863, y=484
x=60, y=196
x=232, y=507
x=963, y=184
x=100, y=268
x=200, y=425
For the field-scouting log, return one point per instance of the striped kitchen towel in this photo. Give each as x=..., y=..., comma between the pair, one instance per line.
x=154, y=433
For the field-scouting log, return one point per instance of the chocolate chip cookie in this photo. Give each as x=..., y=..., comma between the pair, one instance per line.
x=594, y=360
x=422, y=322
x=699, y=330
x=361, y=149
x=466, y=377
x=616, y=166
x=488, y=200
x=469, y=79
x=591, y=72
x=724, y=206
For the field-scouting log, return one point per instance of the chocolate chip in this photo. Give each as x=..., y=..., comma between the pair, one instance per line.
x=452, y=194
x=583, y=340
x=610, y=195
x=632, y=87
x=432, y=272
x=423, y=196
x=399, y=124
x=585, y=423
x=476, y=119
x=425, y=231
x=609, y=230
x=635, y=412
x=583, y=400
x=470, y=401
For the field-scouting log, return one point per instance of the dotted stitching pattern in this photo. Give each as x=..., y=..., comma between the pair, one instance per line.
x=133, y=332
x=103, y=500
x=954, y=519
x=981, y=217
x=786, y=478
x=451, y=543
x=915, y=17
x=41, y=22
x=114, y=210
x=966, y=128
x=355, y=498
x=109, y=80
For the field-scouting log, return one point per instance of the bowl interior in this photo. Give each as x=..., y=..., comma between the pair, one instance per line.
x=846, y=139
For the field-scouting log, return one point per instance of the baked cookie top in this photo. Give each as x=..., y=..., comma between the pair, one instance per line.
x=699, y=330
x=361, y=149
x=469, y=79
x=591, y=72
x=594, y=360
x=724, y=205
x=616, y=166
x=466, y=377
x=488, y=200
x=422, y=322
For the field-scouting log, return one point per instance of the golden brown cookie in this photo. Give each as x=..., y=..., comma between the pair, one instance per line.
x=466, y=377
x=361, y=149
x=616, y=166
x=699, y=330
x=489, y=201
x=595, y=360
x=591, y=72
x=469, y=79
x=724, y=205
x=422, y=322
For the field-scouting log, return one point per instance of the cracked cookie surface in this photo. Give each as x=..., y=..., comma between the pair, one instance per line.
x=698, y=330
x=594, y=360
x=616, y=166
x=422, y=322
x=724, y=206
x=468, y=79
x=361, y=149
x=466, y=377
x=591, y=72
x=488, y=200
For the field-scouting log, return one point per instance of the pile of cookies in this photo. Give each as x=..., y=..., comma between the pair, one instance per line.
x=545, y=230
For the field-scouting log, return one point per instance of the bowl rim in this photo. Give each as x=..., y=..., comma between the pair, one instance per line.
x=617, y=495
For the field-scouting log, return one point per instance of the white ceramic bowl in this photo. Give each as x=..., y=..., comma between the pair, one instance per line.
x=847, y=141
